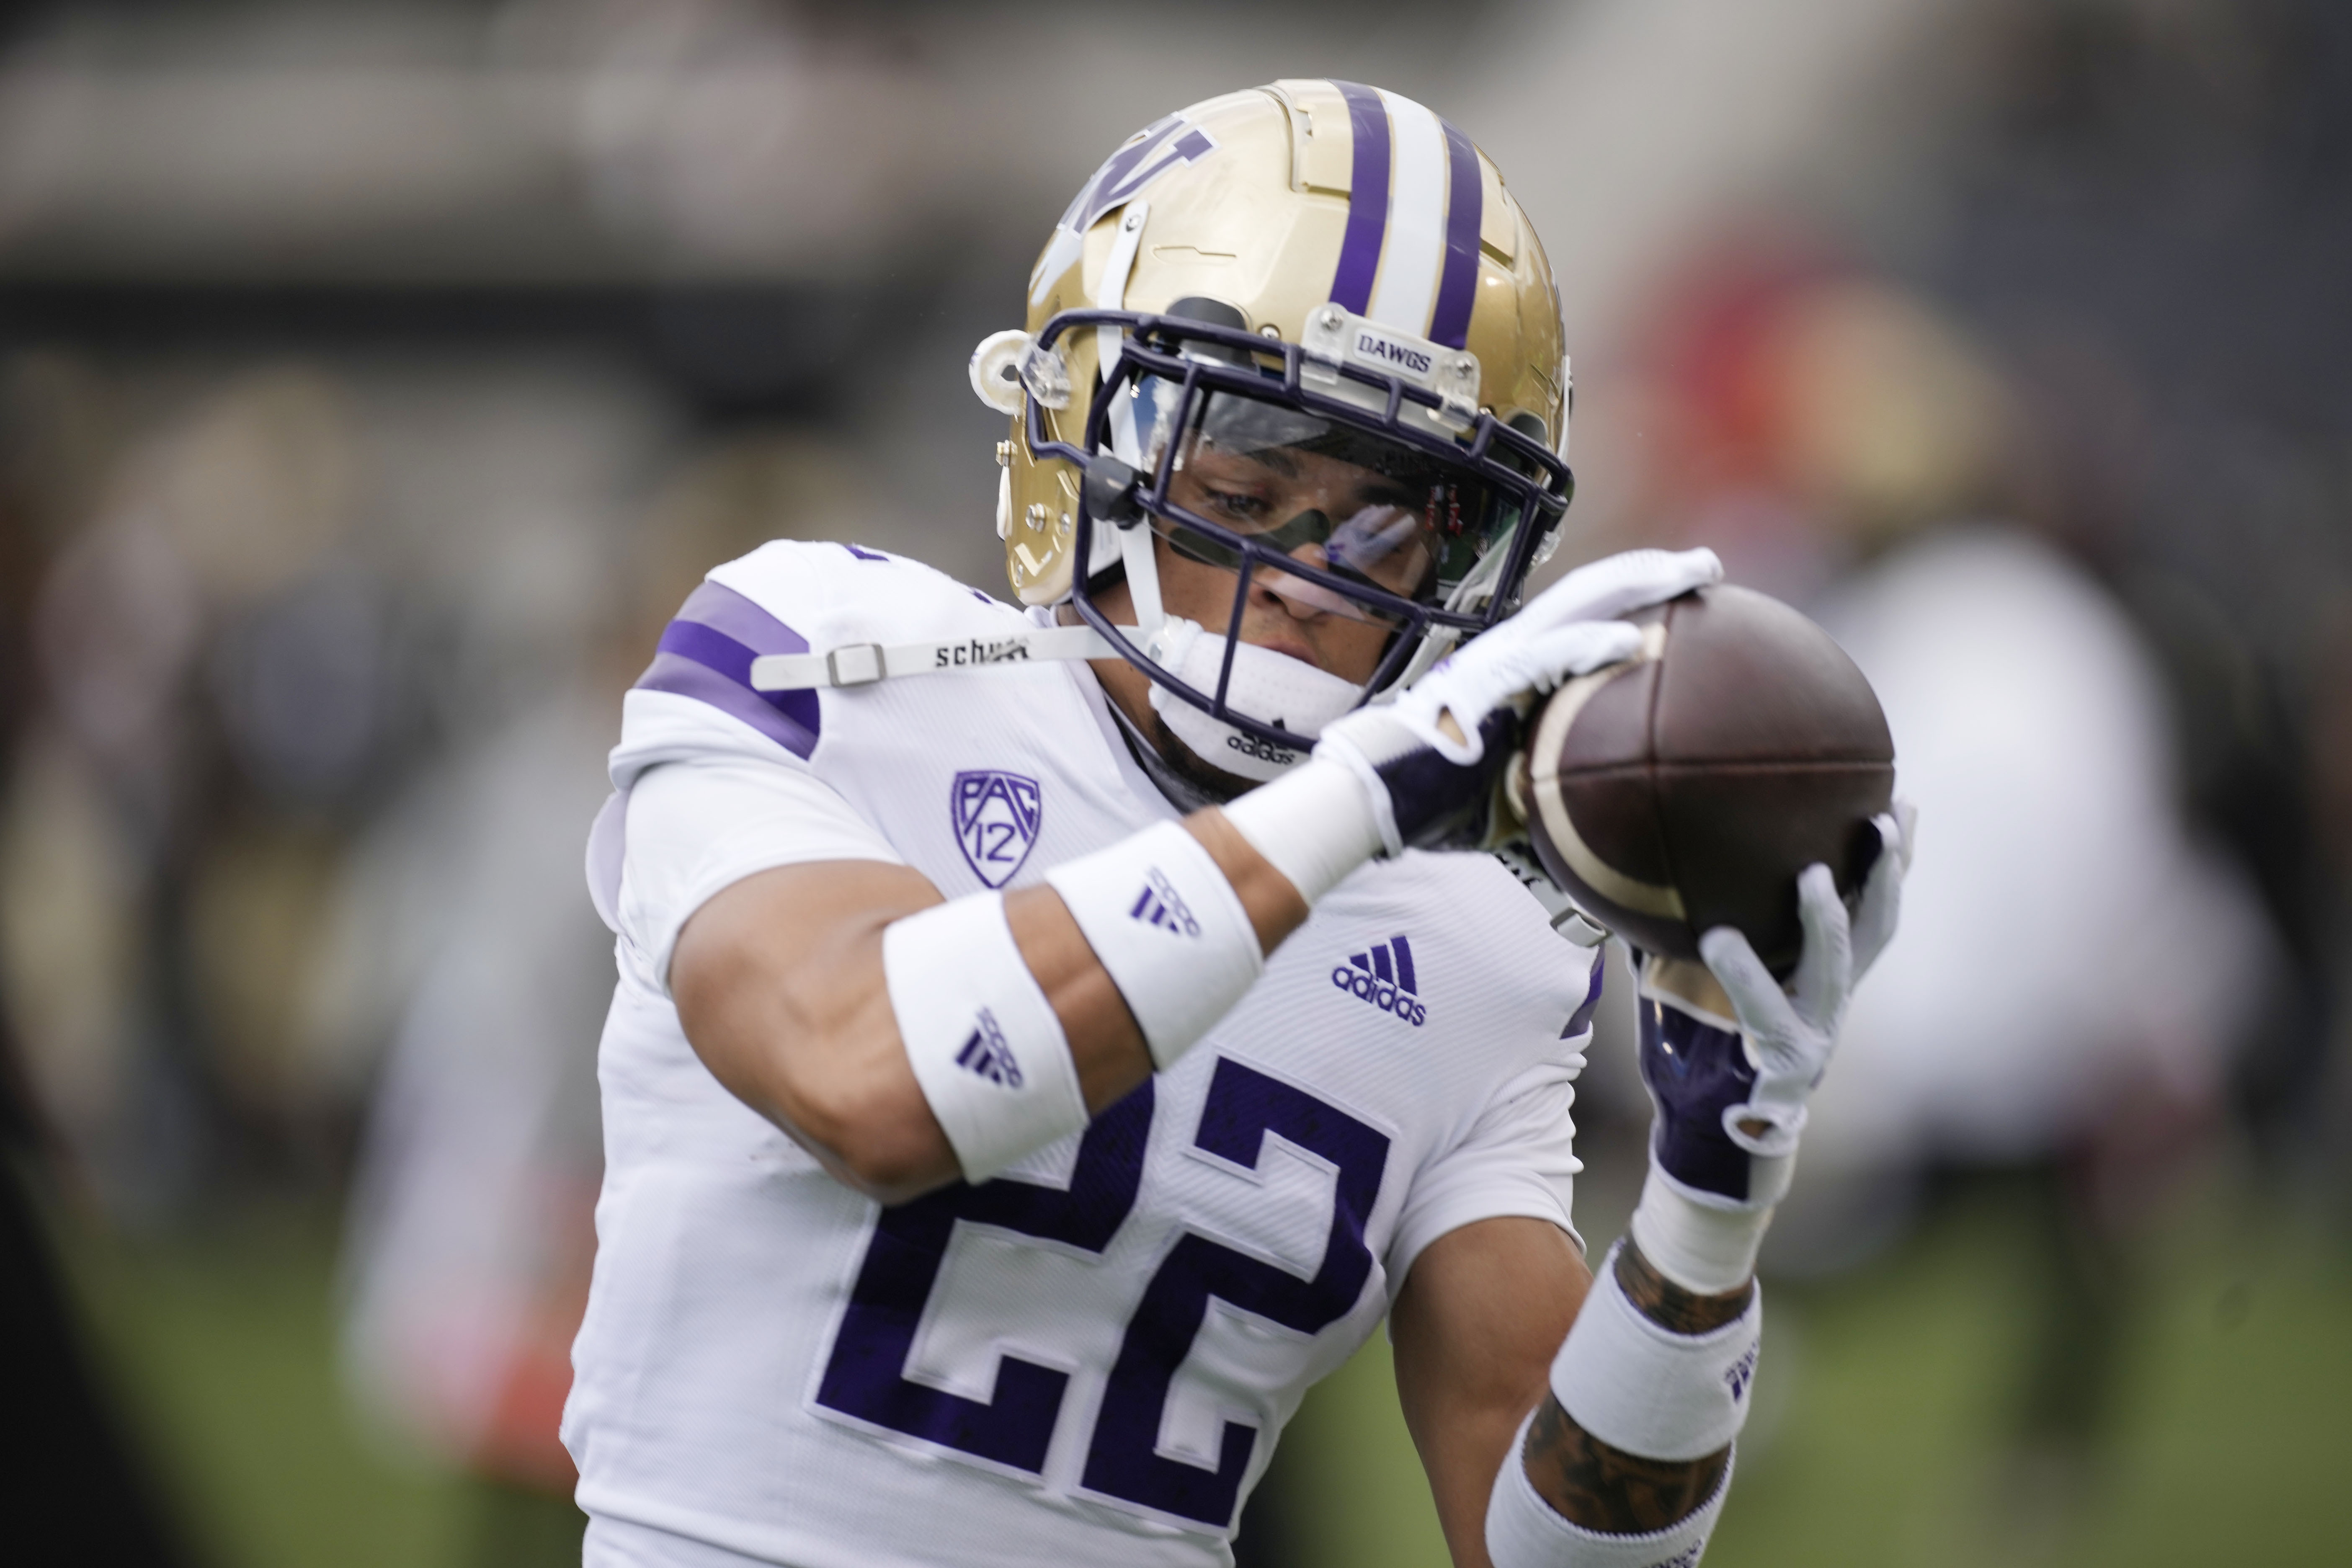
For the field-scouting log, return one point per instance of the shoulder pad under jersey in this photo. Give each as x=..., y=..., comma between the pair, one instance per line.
x=789, y=596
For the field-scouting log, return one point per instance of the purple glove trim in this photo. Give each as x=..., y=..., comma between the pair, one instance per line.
x=1443, y=804
x=1695, y=1072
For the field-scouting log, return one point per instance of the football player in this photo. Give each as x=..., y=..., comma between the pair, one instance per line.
x=1047, y=1041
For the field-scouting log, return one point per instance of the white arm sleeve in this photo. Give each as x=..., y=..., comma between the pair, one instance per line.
x=1519, y=1158
x=1525, y=1531
x=694, y=828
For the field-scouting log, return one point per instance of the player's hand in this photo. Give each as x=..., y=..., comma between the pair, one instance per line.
x=1731, y=1103
x=1430, y=759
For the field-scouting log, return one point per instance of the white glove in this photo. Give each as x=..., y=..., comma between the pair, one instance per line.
x=1792, y=1033
x=1435, y=789
x=1731, y=1093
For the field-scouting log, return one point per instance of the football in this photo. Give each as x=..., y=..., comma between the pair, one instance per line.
x=1686, y=788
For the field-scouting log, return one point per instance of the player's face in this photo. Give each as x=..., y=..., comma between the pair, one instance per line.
x=1302, y=500
x=1325, y=496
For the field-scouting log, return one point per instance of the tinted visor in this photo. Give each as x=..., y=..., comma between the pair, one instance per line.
x=1364, y=506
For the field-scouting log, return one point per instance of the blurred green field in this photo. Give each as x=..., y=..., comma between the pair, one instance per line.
x=1878, y=1438
x=221, y=1345
x=1880, y=1435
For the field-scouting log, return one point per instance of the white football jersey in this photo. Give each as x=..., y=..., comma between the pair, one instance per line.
x=1088, y=1358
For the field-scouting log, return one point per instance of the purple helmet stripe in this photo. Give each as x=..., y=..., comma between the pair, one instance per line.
x=707, y=653
x=1367, y=198
x=1457, y=285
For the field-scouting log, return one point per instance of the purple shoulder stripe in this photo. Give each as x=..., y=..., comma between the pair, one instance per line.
x=1581, y=1019
x=1367, y=198
x=722, y=609
x=707, y=653
x=1458, y=284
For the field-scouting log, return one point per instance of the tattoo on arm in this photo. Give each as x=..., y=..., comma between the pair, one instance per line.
x=1668, y=1304
x=1608, y=1490
x=1605, y=1489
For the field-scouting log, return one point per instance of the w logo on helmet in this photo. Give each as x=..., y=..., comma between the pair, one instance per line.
x=1166, y=144
x=1147, y=154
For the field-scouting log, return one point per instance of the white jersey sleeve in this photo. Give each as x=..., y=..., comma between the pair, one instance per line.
x=696, y=827
x=1517, y=1158
x=715, y=780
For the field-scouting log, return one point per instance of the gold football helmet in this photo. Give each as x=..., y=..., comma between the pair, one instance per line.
x=1314, y=270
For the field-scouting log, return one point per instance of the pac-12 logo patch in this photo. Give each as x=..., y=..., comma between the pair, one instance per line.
x=996, y=822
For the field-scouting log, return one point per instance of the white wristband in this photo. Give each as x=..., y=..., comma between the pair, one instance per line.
x=1313, y=824
x=987, y=1050
x=1708, y=1248
x=1168, y=928
x=1640, y=1387
x=1525, y=1531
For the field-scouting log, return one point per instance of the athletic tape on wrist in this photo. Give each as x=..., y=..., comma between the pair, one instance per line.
x=987, y=1050
x=1647, y=1390
x=1315, y=824
x=1169, y=930
x=1525, y=1531
x=1706, y=1247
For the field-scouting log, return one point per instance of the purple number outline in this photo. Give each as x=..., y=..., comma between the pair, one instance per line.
x=1244, y=1106
x=864, y=1377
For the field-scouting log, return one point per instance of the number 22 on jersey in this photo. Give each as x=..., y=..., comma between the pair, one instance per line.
x=865, y=1374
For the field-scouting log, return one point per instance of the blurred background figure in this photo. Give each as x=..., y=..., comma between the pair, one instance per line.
x=81, y=1488
x=473, y=1227
x=2076, y=973
x=376, y=377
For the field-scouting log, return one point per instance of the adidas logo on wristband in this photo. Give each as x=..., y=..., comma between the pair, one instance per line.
x=988, y=1055
x=1742, y=1371
x=1383, y=976
x=1159, y=905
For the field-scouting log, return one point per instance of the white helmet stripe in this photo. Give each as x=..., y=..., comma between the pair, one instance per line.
x=1415, y=247
x=1408, y=258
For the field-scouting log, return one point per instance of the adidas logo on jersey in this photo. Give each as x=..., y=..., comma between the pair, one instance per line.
x=1159, y=905
x=988, y=1053
x=1383, y=977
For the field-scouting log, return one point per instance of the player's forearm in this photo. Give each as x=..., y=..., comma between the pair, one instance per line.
x=798, y=1022
x=785, y=986
x=1020, y=1014
x=1107, y=1044
x=1629, y=1456
x=778, y=983
x=1606, y=1488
